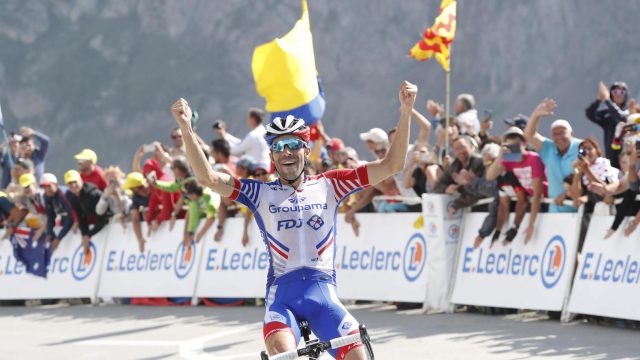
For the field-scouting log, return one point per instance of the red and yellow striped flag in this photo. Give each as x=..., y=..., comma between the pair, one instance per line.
x=437, y=39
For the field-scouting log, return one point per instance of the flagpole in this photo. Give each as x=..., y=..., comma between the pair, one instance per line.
x=446, y=107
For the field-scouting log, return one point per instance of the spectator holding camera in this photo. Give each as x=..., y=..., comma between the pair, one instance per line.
x=558, y=153
x=608, y=111
x=114, y=199
x=592, y=167
x=89, y=169
x=10, y=154
x=253, y=143
x=530, y=172
x=466, y=158
x=56, y=207
x=29, y=150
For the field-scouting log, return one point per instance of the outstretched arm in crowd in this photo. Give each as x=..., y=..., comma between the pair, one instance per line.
x=396, y=157
x=425, y=127
x=536, y=199
x=544, y=109
x=217, y=181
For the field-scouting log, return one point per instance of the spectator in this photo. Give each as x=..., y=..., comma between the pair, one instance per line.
x=607, y=111
x=29, y=150
x=32, y=204
x=244, y=167
x=558, y=154
x=202, y=202
x=142, y=192
x=21, y=166
x=114, y=199
x=171, y=205
x=9, y=215
x=159, y=163
x=253, y=144
x=465, y=158
x=10, y=154
x=261, y=173
x=89, y=169
x=592, y=167
x=84, y=197
x=529, y=170
x=56, y=205
x=221, y=152
x=333, y=148
x=425, y=171
x=467, y=115
x=178, y=145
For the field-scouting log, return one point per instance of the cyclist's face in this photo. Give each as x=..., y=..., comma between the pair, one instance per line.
x=289, y=163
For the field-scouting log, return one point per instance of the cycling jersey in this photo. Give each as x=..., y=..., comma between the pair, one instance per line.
x=298, y=225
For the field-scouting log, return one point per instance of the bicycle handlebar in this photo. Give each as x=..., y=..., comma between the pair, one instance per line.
x=331, y=344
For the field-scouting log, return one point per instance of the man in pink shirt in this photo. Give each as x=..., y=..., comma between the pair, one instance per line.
x=528, y=168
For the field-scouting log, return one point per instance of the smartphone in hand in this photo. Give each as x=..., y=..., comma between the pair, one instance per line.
x=513, y=154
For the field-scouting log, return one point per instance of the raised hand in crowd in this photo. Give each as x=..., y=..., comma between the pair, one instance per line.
x=603, y=92
x=545, y=108
x=436, y=110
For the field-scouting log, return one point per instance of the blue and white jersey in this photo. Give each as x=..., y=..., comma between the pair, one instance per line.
x=298, y=226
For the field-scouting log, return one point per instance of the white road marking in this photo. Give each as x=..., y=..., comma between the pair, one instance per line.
x=144, y=343
x=194, y=349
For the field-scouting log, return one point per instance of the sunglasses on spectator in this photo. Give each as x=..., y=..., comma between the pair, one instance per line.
x=618, y=91
x=380, y=151
x=293, y=144
x=260, y=173
x=176, y=136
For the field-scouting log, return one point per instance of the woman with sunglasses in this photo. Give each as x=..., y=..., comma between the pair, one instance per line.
x=295, y=214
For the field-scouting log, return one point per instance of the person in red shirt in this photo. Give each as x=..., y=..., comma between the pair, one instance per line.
x=89, y=169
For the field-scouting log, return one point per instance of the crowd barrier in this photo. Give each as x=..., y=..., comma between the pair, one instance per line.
x=407, y=257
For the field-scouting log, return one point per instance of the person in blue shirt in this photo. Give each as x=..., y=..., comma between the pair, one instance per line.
x=10, y=155
x=558, y=153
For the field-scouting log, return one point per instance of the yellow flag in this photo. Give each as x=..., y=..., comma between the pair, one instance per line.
x=437, y=39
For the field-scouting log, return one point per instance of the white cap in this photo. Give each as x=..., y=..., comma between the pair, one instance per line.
x=376, y=135
x=633, y=119
x=48, y=178
x=561, y=123
x=514, y=130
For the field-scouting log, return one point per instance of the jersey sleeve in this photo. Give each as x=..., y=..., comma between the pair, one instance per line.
x=246, y=192
x=347, y=181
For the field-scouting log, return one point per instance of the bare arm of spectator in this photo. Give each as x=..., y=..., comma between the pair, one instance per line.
x=137, y=157
x=425, y=127
x=245, y=228
x=496, y=169
x=43, y=140
x=395, y=159
x=632, y=177
x=222, y=218
x=408, y=180
x=232, y=140
x=363, y=199
x=536, y=199
x=544, y=109
x=137, y=228
x=221, y=183
x=444, y=181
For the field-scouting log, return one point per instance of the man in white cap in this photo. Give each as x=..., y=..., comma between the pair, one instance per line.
x=558, y=153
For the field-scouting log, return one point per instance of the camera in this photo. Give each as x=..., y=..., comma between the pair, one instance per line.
x=583, y=153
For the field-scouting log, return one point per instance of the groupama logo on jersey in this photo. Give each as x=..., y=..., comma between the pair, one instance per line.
x=549, y=265
x=82, y=263
x=411, y=261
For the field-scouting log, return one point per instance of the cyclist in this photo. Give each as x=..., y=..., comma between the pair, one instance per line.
x=296, y=215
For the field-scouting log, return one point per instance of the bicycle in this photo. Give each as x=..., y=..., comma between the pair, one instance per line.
x=315, y=348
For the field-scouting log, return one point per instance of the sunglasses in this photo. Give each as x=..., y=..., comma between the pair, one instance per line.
x=380, y=151
x=293, y=144
x=261, y=173
x=618, y=91
x=176, y=136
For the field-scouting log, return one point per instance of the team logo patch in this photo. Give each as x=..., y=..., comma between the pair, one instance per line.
x=296, y=200
x=315, y=222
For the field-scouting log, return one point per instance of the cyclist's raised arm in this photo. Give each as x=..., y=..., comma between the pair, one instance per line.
x=219, y=182
x=396, y=157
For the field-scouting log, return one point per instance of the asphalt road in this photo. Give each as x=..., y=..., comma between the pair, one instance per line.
x=135, y=332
